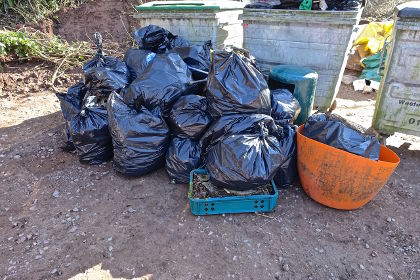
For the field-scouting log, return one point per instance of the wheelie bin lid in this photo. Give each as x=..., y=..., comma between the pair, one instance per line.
x=190, y=5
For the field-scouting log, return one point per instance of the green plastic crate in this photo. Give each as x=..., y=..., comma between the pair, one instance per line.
x=231, y=204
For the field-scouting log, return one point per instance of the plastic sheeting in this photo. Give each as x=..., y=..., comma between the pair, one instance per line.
x=235, y=86
x=183, y=156
x=165, y=80
x=371, y=66
x=157, y=39
x=90, y=134
x=374, y=35
x=71, y=104
x=334, y=133
x=285, y=107
x=137, y=61
x=140, y=138
x=189, y=117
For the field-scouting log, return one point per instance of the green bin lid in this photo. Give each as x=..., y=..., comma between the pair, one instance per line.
x=190, y=5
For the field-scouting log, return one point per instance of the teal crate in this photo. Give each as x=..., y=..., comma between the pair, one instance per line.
x=230, y=204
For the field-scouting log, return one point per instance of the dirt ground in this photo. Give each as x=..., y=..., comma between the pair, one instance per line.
x=60, y=219
x=112, y=18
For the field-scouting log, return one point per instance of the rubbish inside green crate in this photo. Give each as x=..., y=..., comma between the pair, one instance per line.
x=233, y=203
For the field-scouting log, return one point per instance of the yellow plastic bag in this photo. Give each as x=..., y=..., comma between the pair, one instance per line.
x=373, y=36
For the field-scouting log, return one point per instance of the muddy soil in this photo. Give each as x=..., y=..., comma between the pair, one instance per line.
x=112, y=18
x=60, y=219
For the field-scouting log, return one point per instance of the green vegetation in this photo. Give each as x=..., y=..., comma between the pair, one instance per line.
x=33, y=10
x=29, y=44
x=36, y=45
x=25, y=45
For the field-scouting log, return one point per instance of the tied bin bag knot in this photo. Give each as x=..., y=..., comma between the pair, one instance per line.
x=104, y=74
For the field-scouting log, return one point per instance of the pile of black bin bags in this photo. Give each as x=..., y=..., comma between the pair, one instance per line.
x=186, y=106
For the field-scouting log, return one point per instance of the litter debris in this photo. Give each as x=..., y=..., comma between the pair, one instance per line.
x=56, y=194
x=349, y=79
x=197, y=57
x=371, y=66
x=373, y=37
x=137, y=61
x=203, y=188
x=365, y=85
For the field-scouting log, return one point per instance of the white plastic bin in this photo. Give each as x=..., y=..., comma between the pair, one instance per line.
x=320, y=40
x=196, y=21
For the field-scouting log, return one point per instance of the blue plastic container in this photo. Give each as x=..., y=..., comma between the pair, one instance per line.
x=230, y=204
x=303, y=81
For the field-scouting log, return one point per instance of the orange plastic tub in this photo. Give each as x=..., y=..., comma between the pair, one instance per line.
x=340, y=179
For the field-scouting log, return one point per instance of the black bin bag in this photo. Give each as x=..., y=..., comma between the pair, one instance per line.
x=330, y=131
x=189, y=117
x=343, y=5
x=71, y=104
x=157, y=39
x=137, y=61
x=244, y=161
x=290, y=4
x=235, y=124
x=165, y=80
x=197, y=57
x=140, y=138
x=285, y=107
x=234, y=85
x=90, y=134
x=105, y=74
x=264, y=4
x=287, y=173
x=183, y=156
